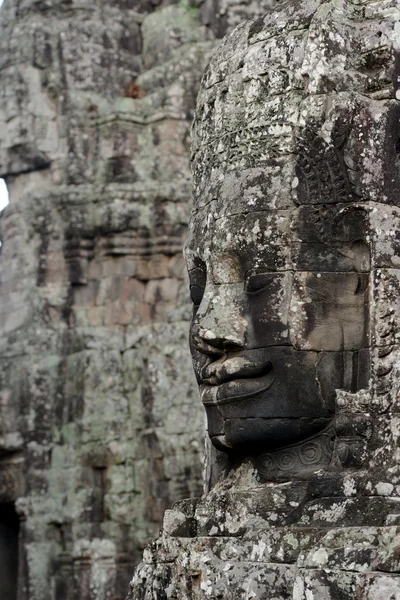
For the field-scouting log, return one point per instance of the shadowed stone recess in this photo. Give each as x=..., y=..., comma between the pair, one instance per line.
x=294, y=266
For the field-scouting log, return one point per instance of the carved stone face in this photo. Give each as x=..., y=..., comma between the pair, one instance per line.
x=279, y=319
x=293, y=163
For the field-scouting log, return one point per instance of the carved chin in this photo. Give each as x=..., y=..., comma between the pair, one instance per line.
x=252, y=436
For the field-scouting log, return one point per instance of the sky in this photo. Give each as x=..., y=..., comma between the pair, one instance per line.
x=3, y=187
x=3, y=191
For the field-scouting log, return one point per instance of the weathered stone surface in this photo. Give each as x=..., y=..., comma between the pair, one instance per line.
x=292, y=256
x=100, y=426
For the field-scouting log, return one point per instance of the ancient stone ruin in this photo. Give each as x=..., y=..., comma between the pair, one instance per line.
x=294, y=263
x=101, y=429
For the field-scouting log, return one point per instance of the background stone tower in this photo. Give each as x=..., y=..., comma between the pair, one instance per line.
x=101, y=428
x=293, y=256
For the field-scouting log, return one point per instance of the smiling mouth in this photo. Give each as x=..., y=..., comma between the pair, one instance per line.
x=238, y=389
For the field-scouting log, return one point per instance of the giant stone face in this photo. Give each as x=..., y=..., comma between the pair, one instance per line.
x=280, y=320
x=279, y=248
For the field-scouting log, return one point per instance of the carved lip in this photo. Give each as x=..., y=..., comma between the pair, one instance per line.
x=238, y=389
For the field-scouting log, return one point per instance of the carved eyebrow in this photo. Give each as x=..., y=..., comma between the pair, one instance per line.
x=201, y=269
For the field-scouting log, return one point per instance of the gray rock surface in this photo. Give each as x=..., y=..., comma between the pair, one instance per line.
x=295, y=153
x=101, y=429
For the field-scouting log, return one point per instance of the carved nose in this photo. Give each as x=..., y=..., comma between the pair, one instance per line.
x=208, y=342
x=220, y=325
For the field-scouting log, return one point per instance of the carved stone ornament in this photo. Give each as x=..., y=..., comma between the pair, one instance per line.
x=294, y=263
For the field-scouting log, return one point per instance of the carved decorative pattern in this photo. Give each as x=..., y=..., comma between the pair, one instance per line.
x=141, y=243
x=326, y=172
x=311, y=453
x=353, y=428
x=78, y=252
x=385, y=338
x=246, y=146
x=322, y=170
x=314, y=454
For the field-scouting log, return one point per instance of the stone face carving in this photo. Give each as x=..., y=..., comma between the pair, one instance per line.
x=294, y=258
x=96, y=385
x=280, y=315
x=279, y=252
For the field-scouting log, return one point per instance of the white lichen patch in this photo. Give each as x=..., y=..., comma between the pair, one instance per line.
x=384, y=488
